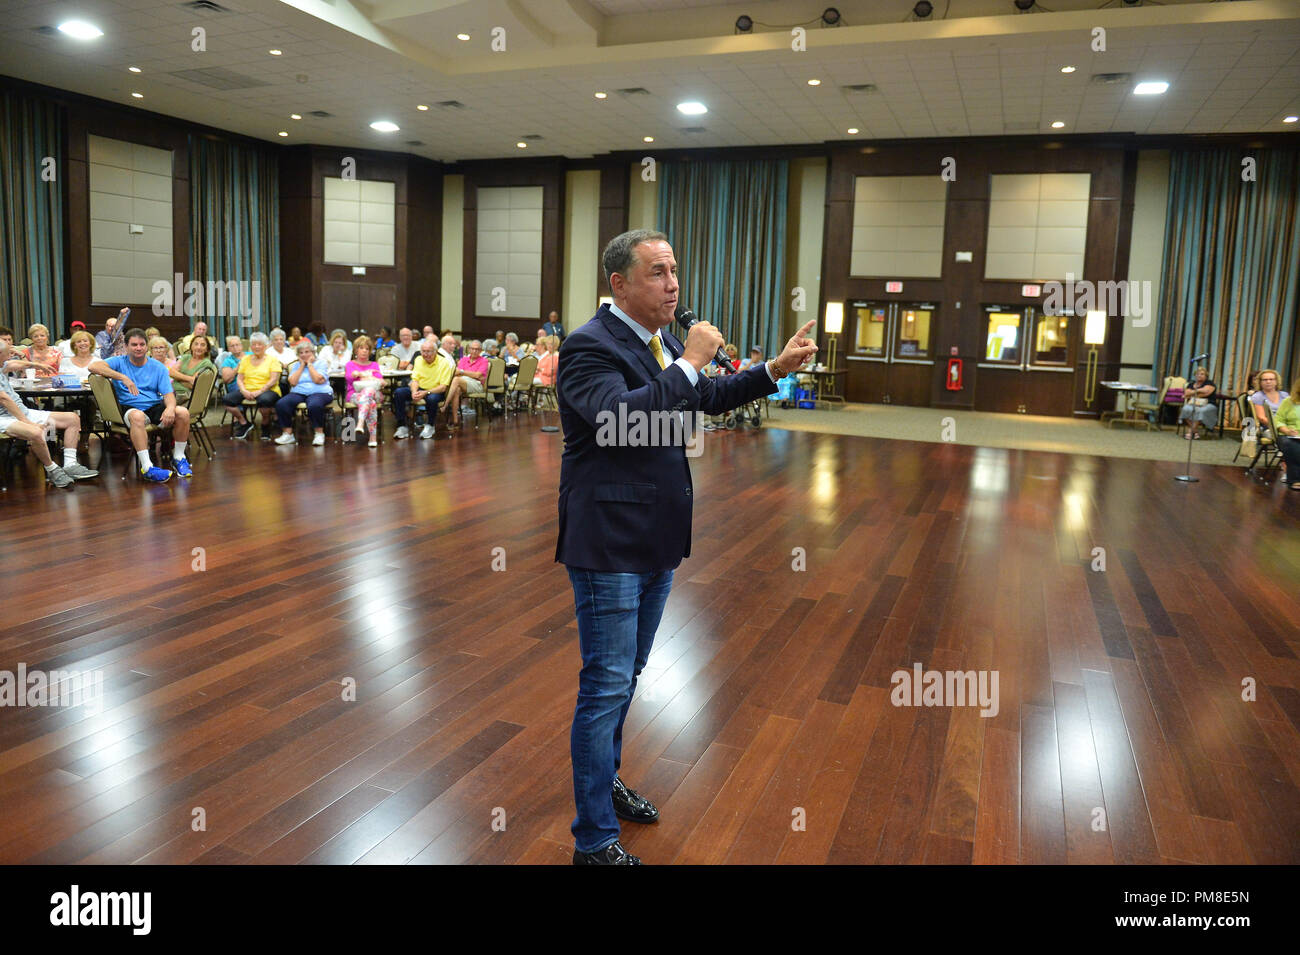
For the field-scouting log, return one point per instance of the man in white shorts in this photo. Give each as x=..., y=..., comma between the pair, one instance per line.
x=32, y=425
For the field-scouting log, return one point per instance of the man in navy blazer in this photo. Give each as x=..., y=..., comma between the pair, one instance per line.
x=628, y=391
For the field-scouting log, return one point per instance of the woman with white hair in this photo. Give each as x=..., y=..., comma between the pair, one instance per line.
x=257, y=379
x=309, y=384
x=279, y=349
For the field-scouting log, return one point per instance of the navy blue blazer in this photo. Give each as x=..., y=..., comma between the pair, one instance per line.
x=627, y=509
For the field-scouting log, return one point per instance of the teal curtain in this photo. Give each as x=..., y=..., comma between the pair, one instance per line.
x=31, y=209
x=1231, y=273
x=235, y=229
x=726, y=222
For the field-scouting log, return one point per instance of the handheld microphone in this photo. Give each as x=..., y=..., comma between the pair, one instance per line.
x=686, y=318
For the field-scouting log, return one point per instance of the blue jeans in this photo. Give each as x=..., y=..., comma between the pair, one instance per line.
x=618, y=615
x=402, y=399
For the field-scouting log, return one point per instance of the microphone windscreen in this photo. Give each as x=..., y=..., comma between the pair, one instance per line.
x=685, y=316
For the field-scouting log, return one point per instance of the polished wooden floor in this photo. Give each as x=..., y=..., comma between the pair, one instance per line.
x=1122, y=735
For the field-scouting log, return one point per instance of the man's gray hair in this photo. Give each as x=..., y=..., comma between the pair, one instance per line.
x=620, y=254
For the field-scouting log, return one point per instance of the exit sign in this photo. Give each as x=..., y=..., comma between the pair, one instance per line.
x=894, y=287
x=1031, y=291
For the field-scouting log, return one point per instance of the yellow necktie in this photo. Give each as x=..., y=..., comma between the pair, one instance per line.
x=657, y=349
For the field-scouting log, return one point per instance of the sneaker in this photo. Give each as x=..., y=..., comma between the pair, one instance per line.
x=79, y=472
x=426, y=432
x=182, y=467
x=59, y=478
x=317, y=441
x=402, y=432
x=156, y=474
x=243, y=433
x=286, y=439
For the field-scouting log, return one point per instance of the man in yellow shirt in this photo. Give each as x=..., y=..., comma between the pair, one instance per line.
x=430, y=377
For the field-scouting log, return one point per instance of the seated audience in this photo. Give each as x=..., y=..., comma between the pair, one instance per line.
x=1199, y=407
x=188, y=367
x=430, y=379
x=29, y=424
x=471, y=375
x=406, y=350
x=448, y=349
x=279, y=349
x=733, y=353
x=257, y=379
x=7, y=336
x=112, y=340
x=40, y=354
x=309, y=384
x=200, y=331
x=511, y=352
x=1287, y=420
x=295, y=336
x=161, y=349
x=83, y=353
x=154, y=333
x=365, y=380
x=548, y=359
x=755, y=358
x=144, y=390
x=1268, y=394
x=339, y=352
x=229, y=363
x=491, y=349
x=427, y=332
x=384, y=339
x=65, y=346
x=554, y=326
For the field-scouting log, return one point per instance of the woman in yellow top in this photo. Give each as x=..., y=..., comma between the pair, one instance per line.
x=256, y=379
x=1287, y=420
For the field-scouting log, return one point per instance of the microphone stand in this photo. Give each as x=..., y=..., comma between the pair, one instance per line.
x=1186, y=477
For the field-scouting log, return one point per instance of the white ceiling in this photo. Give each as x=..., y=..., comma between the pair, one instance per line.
x=1232, y=67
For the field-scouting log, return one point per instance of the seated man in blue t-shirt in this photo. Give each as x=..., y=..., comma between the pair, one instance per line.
x=144, y=390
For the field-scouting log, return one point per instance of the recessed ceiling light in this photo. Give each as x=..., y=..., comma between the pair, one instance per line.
x=814, y=82
x=138, y=95
x=385, y=126
x=134, y=69
x=295, y=116
x=283, y=132
x=647, y=139
x=462, y=37
x=1067, y=69
x=1057, y=125
x=274, y=52
x=80, y=29
x=692, y=108
x=601, y=95
x=1151, y=88
x=853, y=130
x=1290, y=119
x=521, y=144
x=422, y=108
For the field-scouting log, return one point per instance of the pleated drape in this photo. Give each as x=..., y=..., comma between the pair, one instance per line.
x=726, y=222
x=31, y=209
x=1231, y=274
x=235, y=225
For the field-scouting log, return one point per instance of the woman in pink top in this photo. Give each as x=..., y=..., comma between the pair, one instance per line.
x=548, y=357
x=364, y=378
x=471, y=374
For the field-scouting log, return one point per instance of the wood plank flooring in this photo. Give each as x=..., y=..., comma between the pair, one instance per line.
x=763, y=726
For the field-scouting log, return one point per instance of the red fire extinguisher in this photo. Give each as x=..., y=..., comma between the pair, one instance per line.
x=953, y=381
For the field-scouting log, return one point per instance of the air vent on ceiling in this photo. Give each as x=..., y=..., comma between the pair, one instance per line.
x=450, y=104
x=320, y=114
x=694, y=129
x=1110, y=79
x=45, y=30
x=860, y=88
x=414, y=142
x=532, y=136
x=219, y=78
x=633, y=91
x=206, y=6
x=1020, y=127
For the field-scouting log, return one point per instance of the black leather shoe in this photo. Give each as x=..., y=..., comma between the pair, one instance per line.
x=612, y=854
x=632, y=807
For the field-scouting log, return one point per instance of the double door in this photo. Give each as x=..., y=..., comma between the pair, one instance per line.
x=1027, y=363
x=891, y=360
